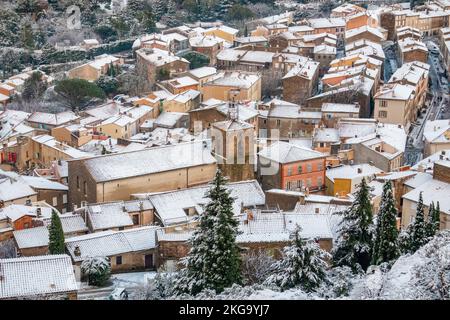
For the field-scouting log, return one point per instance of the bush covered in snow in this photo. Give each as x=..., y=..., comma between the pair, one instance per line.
x=97, y=270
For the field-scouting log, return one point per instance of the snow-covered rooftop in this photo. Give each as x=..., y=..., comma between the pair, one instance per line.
x=55, y=119
x=148, y=161
x=39, y=275
x=432, y=191
x=340, y=108
x=283, y=152
x=437, y=131
x=110, y=243
x=170, y=206
x=352, y=171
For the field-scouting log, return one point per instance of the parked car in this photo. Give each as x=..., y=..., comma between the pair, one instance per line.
x=118, y=294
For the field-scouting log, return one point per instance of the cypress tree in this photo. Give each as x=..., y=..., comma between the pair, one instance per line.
x=433, y=219
x=385, y=247
x=55, y=235
x=354, y=245
x=214, y=259
x=417, y=230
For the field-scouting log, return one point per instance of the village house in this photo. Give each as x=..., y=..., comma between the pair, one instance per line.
x=436, y=135
x=117, y=215
x=43, y=277
x=233, y=86
x=180, y=85
x=171, y=120
x=376, y=35
x=74, y=135
x=38, y=151
x=127, y=250
x=208, y=46
x=394, y=103
x=93, y=70
x=337, y=75
x=159, y=64
x=259, y=230
x=334, y=26
x=287, y=120
x=89, y=43
x=434, y=190
x=357, y=90
x=214, y=110
x=251, y=40
x=33, y=241
x=52, y=192
x=332, y=112
x=48, y=121
x=444, y=45
x=226, y=33
x=325, y=140
x=346, y=10
x=202, y=75
x=282, y=165
x=14, y=190
x=301, y=81
x=21, y=217
x=116, y=176
x=343, y=180
x=324, y=54
x=367, y=48
x=412, y=50
x=408, y=32
x=415, y=74
x=182, y=102
x=384, y=148
x=179, y=206
x=57, y=171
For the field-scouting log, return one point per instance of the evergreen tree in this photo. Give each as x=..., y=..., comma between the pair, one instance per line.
x=214, y=259
x=433, y=219
x=55, y=235
x=159, y=8
x=354, y=246
x=34, y=87
x=385, y=247
x=303, y=264
x=418, y=229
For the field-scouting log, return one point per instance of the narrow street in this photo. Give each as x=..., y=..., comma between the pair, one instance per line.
x=437, y=108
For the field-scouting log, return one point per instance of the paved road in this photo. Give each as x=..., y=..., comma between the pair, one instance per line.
x=438, y=107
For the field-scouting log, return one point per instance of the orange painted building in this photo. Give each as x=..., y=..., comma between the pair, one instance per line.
x=291, y=167
x=23, y=222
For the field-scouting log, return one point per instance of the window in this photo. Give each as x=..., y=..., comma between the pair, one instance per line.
x=299, y=184
x=329, y=116
x=320, y=166
x=26, y=225
x=136, y=219
x=319, y=182
x=64, y=198
x=54, y=201
x=309, y=167
x=278, y=122
x=382, y=114
x=288, y=185
x=308, y=182
x=118, y=260
x=64, y=210
x=78, y=183
x=85, y=188
x=289, y=171
x=383, y=103
x=299, y=169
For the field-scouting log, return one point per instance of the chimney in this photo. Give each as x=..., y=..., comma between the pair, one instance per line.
x=317, y=210
x=360, y=170
x=77, y=251
x=38, y=212
x=141, y=206
x=28, y=202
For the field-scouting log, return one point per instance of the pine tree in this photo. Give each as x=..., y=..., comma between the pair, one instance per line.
x=55, y=235
x=214, y=259
x=385, y=247
x=418, y=229
x=303, y=264
x=354, y=247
